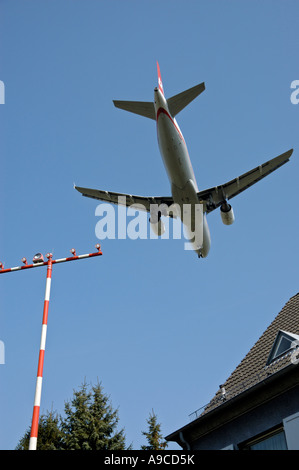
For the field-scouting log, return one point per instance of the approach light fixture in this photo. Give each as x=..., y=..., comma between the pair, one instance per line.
x=98, y=246
x=38, y=258
x=38, y=261
x=73, y=251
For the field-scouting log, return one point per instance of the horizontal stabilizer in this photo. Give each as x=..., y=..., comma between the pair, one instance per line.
x=143, y=108
x=178, y=102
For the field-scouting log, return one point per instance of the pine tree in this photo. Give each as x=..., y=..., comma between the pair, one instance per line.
x=76, y=422
x=104, y=423
x=154, y=436
x=90, y=423
x=49, y=433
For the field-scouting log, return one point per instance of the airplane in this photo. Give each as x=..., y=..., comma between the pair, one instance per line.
x=184, y=189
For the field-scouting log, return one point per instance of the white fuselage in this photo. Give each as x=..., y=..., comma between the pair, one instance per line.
x=177, y=162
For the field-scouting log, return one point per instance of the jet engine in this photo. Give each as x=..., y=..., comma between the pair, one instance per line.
x=227, y=213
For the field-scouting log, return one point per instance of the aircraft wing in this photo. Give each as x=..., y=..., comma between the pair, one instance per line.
x=128, y=200
x=214, y=197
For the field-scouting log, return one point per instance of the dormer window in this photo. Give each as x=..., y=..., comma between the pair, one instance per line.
x=284, y=342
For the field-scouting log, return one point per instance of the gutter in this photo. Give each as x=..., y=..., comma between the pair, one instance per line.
x=187, y=429
x=185, y=444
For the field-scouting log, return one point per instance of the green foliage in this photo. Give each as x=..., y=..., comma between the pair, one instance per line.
x=154, y=437
x=49, y=436
x=90, y=423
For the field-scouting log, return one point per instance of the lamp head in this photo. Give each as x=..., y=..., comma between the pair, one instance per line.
x=38, y=258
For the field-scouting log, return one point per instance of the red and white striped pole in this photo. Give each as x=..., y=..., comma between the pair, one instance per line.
x=39, y=379
x=36, y=264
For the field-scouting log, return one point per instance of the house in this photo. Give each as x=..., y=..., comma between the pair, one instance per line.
x=258, y=405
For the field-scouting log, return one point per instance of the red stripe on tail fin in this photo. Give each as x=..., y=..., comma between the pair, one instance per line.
x=160, y=79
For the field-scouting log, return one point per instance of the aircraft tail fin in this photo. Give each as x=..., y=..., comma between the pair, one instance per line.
x=178, y=102
x=160, y=79
x=175, y=104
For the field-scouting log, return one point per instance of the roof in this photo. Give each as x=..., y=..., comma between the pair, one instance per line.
x=253, y=369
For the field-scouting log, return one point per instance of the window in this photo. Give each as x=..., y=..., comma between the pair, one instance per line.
x=272, y=440
x=283, y=343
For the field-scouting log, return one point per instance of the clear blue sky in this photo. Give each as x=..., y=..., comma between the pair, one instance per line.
x=158, y=327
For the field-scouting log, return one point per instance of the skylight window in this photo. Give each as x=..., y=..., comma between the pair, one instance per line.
x=283, y=343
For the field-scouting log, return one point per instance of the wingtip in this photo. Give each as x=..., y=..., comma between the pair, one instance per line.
x=288, y=154
x=77, y=188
